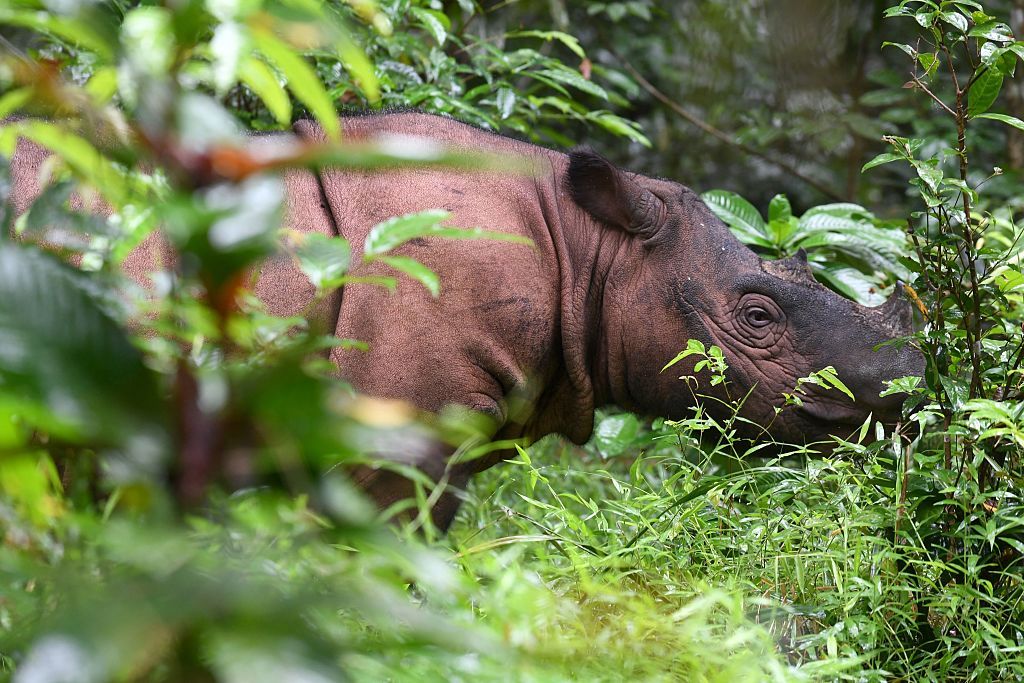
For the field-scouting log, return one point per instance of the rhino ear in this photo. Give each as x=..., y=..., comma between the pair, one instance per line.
x=613, y=196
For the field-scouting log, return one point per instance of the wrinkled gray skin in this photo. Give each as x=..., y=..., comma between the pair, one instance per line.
x=623, y=271
x=772, y=319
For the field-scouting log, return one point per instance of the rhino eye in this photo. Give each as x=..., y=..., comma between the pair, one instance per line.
x=758, y=317
x=758, y=320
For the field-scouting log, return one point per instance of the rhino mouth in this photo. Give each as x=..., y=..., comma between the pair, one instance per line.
x=832, y=416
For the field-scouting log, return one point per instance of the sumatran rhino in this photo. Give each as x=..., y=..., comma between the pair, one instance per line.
x=624, y=269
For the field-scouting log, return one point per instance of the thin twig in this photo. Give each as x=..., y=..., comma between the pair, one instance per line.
x=973, y=328
x=924, y=88
x=725, y=137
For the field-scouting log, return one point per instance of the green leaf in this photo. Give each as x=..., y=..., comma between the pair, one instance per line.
x=992, y=30
x=616, y=433
x=68, y=29
x=262, y=81
x=740, y=215
x=909, y=50
x=361, y=68
x=693, y=347
x=929, y=172
x=302, y=81
x=851, y=283
x=324, y=260
x=956, y=389
x=394, y=232
x=1003, y=118
x=571, y=78
x=6, y=211
x=984, y=91
x=64, y=363
x=437, y=23
x=103, y=84
x=827, y=378
x=228, y=46
x=415, y=270
x=14, y=100
x=929, y=61
x=901, y=385
x=955, y=19
x=569, y=41
x=619, y=126
x=779, y=208
x=148, y=41
x=56, y=224
x=883, y=158
x=81, y=157
x=505, y=101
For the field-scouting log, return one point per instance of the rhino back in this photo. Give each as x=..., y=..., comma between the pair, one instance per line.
x=489, y=340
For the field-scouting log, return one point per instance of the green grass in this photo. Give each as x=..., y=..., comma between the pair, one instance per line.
x=638, y=557
x=651, y=565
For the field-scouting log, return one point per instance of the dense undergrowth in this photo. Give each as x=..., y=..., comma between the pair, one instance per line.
x=173, y=507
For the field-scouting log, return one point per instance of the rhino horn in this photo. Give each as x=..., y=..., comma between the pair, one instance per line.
x=896, y=313
x=797, y=263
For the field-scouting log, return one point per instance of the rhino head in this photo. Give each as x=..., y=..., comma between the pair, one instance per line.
x=687, y=277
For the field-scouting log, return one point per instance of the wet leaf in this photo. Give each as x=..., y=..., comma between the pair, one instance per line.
x=437, y=23
x=505, y=100
x=615, y=433
x=984, y=91
x=740, y=215
x=1003, y=118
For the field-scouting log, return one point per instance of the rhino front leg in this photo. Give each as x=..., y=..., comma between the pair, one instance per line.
x=387, y=486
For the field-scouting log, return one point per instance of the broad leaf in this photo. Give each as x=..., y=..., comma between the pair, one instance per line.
x=851, y=283
x=984, y=91
x=437, y=23
x=740, y=215
x=616, y=433
x=883, y=158
x=779, y=208
x=992, y=30
x=574, y=79
x=1003, y=118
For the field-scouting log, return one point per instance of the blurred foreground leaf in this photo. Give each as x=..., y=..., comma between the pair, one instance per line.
x=65, y=363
